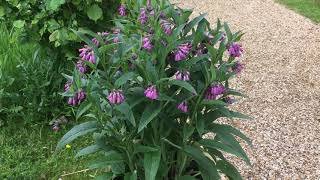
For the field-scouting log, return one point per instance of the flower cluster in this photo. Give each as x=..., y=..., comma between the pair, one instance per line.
x=235, y=50
x=182, y=75
x=214, y=91
x=182, y=51
x=116, y=97
x=77, y=98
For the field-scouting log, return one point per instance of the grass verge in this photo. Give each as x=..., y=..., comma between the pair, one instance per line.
x=308, y=8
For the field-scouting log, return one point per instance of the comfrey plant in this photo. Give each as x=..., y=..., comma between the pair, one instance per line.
x=151, y=91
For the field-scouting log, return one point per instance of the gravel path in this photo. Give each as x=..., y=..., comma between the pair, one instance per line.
x=282, y=80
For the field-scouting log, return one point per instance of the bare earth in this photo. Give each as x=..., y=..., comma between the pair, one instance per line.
x=282, y=80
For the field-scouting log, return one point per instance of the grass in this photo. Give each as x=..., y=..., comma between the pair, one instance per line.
x=28, y=153
x=308, y=8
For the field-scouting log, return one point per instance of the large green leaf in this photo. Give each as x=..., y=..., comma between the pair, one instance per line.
x=151, y=164
x=88, y=150
x=125, y=109
x=131, y=176
x=94, y=12
x=193, y=23
x=227, y=29
x=55, y=4
x=184, y=85
x=83, y=109
x=77, y=131
x=213, y=144
x=150, y=112
x=229, y=170
x=111, y=157
x=204, y=162
x=124, y=78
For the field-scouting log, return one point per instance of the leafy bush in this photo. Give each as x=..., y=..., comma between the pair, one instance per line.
x=52, y=20
x=30, y=82
x=152, y=89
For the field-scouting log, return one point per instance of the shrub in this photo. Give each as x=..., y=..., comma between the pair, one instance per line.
x=30, y=82
x=52, y=20
x=152, y=89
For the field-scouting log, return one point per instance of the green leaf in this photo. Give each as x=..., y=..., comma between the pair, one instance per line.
x=200, y=124
x=111, y=157
x=183, y=84
x=125, y=109
x=214, y=144
x=83, y=109
x=2, y=11
x=229, y=170
x=187, y=132
x=131, y=176
x=214, y=102
x=204, y=162
x=77, y=131
x=105, y=176
x=124, y=78
x=227, y=29
x=150, y=112
x=239, y=115
x=143, y=149
x=193, y=23
x=151, y=164
x=186, y=177
x=94, y=12
x=19, y=24
x=55, y=4
x=88, y=150
x=217, y=128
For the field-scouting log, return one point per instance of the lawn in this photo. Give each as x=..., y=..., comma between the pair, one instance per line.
x=28, y=153
x=308, y=8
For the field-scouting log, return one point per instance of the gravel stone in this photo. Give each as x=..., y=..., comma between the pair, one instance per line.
x=282, y=80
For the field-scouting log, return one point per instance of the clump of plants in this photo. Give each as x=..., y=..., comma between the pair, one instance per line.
x=151, y=88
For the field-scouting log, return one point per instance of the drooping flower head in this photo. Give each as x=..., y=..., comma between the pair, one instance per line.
x=182, y=75
x=214, y=91
x=82, y=68
x=237, y=67
x=87, y=54
x=182, y=51
x=55, y=127
x=77, y=98
x=116, y=97
x=122, y=10
x=151, y=92
x=143, y=17
x=166, y=26
x=147, y=44
x=102, y=35
x=183, y=107
x=67, y=86
x=235, y=50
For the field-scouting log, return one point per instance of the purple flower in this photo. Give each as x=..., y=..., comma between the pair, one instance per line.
x=143, y=17
x=87, y=54
x=122, y=10
x=182, y=51
x=82, y=68
x=237, y=67
x=151, y=92
x=67, y=86
x=183, y=76
x=218, y=89
x=77, y=98
x=95, y=41
x=214, y=91
x=166, y=26
x=183, y=107
x=147, y=44
x=116, y=97
x=162, y=15
x=235, y=50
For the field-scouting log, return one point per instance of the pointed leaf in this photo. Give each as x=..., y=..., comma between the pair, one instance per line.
x=150, y=112
x=184, y=85
x=124, y=78
x=125, y=109
x=88, y=150
x=204, y=162
x=77, y=131
x=229, y=170
x=151, y=164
